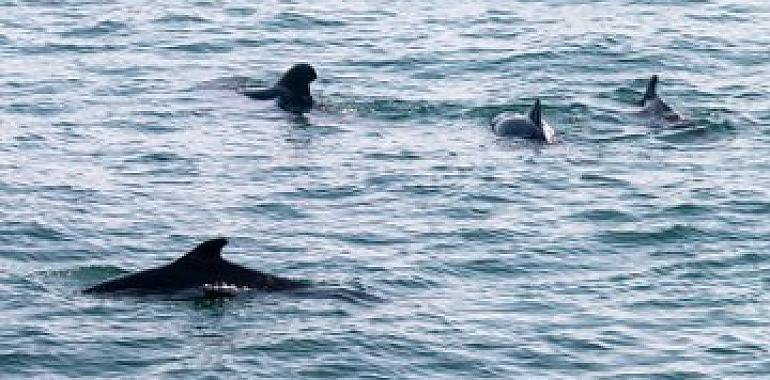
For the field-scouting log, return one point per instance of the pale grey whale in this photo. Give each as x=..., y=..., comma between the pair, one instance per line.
x=529, y=126
x=656, y=111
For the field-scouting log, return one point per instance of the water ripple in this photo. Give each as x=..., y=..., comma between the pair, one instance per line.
x=436, y=250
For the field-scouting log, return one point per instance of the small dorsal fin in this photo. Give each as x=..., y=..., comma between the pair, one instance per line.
x=209, y=250
x=535, y=114
x=652, y=89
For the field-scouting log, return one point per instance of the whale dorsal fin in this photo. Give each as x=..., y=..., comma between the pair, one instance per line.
x=208, y=251
x=652, y=89
x=536, y=113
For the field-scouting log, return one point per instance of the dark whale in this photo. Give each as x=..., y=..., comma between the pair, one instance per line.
x=202, y=268
x=658, y=113
x=529, y=126
x=292, y=91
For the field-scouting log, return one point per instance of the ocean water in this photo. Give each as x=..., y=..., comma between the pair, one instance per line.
x=439, y=251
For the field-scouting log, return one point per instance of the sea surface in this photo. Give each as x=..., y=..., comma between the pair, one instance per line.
x=436, y=249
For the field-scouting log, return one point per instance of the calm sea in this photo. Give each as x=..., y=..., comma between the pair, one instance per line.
x=439, y=250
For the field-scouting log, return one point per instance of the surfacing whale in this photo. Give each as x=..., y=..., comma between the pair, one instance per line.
x=658, y=113
x=292, y=91
x=204, y=269
x=529, y=126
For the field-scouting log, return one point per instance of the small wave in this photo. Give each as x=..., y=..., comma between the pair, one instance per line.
x=240, y=11
x=487, y=198
x=713, y=263
x=292, y=20
x=231, y=83
x=488, y=235
x=371, y=239
x=76, y=279
x=334, y=192
x=398, y=156
x=687, y=209
x=46, y=108
x=672, y=233
x=86, y=273
x=15, y=229
x=157, y=157
x=698, y=131
x=276, y=211
x=424, y=189
x=182, y=19
x=202, y=47
x=604, y=215
x=100, y=29
x=58, y=48
x=399, y=109
x=749, y=207
x=601, y=180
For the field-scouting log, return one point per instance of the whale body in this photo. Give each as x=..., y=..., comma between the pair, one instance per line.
x=658, y=113
x=202, y=268
x=292, y=91
x=529, y=126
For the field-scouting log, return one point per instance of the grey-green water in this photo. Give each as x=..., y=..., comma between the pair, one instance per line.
x=623, y=252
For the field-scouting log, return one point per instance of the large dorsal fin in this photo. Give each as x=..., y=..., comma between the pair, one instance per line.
x=536, y=113
x=652, y=89
x=208, y=251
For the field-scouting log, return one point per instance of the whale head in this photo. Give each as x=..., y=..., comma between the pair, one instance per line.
x=294, y=88
x=298, y=78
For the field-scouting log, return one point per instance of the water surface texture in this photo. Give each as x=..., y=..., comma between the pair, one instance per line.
x=445, y=252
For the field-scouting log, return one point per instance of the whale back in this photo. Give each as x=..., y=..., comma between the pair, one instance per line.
x=201, y=267
x=509, y=124
x=529, y=126
x=659, y=113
